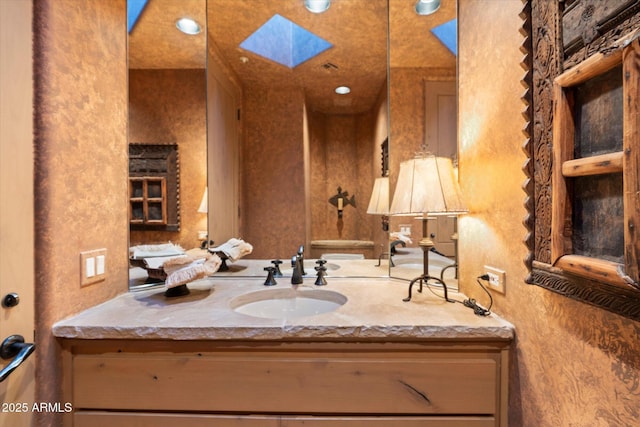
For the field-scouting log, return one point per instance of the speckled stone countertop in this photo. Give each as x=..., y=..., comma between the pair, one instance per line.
x=374, y=310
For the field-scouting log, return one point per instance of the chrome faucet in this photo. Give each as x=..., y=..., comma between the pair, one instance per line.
x=297, y=265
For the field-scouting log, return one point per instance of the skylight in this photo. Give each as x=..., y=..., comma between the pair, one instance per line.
x=284, y=42
x=447, y=33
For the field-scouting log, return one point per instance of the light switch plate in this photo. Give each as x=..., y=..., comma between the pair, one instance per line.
x=92, y=266
x=100, y=264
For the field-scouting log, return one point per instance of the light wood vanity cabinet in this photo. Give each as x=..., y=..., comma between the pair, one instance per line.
x=285, y=384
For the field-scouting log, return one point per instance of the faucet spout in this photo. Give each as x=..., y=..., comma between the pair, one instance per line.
x=296, y=266
x=301, y=260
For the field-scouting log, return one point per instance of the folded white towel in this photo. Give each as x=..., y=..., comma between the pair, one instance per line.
x=186, y=269
x=234, y=249
x=158, y=261
x=396, y=235
x=161, y=250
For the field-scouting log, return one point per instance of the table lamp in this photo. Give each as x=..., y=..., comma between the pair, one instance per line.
x=427, y=186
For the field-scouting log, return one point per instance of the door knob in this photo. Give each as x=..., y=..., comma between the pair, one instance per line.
x=14, y=347
x=10, y=300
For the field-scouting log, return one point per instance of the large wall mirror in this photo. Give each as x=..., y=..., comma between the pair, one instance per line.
x=271, y=141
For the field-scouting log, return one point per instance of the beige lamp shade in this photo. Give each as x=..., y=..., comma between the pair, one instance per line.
x=427, y=185
x=379, y=202
x=204, y=203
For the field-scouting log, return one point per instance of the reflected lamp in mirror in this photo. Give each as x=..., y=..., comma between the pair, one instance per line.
x=379, y=202
x=204, y=203
x=427, y=186
x=204, y=208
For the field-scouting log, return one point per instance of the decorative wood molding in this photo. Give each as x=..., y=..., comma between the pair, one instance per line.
x=624, y=302
x=600, y=27
x=527, y=98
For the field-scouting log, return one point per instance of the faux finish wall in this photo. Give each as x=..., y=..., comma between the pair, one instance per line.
x=81, y=159
x=273, y=203
x=276, y=215
x=573, y=364
x=341, y=147
x=170, y=106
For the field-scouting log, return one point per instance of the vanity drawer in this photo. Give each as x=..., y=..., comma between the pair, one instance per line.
x=125, y=419
x=312, y=383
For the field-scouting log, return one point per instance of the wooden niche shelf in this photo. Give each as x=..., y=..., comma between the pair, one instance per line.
x=154, y=200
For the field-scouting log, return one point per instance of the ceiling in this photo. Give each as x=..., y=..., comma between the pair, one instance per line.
x=357, y=29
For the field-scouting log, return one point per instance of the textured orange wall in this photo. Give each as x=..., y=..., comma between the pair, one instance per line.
x=572, y=364
x=273, y=202
x=170, y=106
x=341, y=156
x=81, y=161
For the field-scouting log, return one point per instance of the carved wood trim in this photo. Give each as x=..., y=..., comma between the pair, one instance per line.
x=548, y=57
x=624, y=302
x=528, y=167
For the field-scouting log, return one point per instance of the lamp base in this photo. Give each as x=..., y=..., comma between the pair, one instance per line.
x=424, y=278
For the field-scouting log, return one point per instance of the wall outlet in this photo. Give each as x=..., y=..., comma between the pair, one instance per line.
x=92, y=266
x=497, y=278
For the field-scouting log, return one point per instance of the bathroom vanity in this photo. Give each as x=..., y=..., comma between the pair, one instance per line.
x=144, y=360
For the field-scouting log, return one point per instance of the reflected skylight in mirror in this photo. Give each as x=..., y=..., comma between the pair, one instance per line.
x=447, y=33
x=134, y=10
x=284, y=42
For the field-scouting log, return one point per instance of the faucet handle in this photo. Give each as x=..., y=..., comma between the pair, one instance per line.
x=276, y=263
x=301, y=250
x=320, y=280
x=270, y=279
x=321, y=262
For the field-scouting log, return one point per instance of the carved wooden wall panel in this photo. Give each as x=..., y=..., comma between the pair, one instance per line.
x=562, y=34
x=161, y=161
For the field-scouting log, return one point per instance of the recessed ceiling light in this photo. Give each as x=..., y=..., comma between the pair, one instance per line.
x=427, y=7
x=188, y=26
x=317, y=6
x=343, y=90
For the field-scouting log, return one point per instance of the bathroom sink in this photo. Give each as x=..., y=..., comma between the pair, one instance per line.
x=287, y=303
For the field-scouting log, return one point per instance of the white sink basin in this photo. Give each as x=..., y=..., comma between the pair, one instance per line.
x=287, y=303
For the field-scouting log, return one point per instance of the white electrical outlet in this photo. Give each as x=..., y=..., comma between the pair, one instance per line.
x=497, y=278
